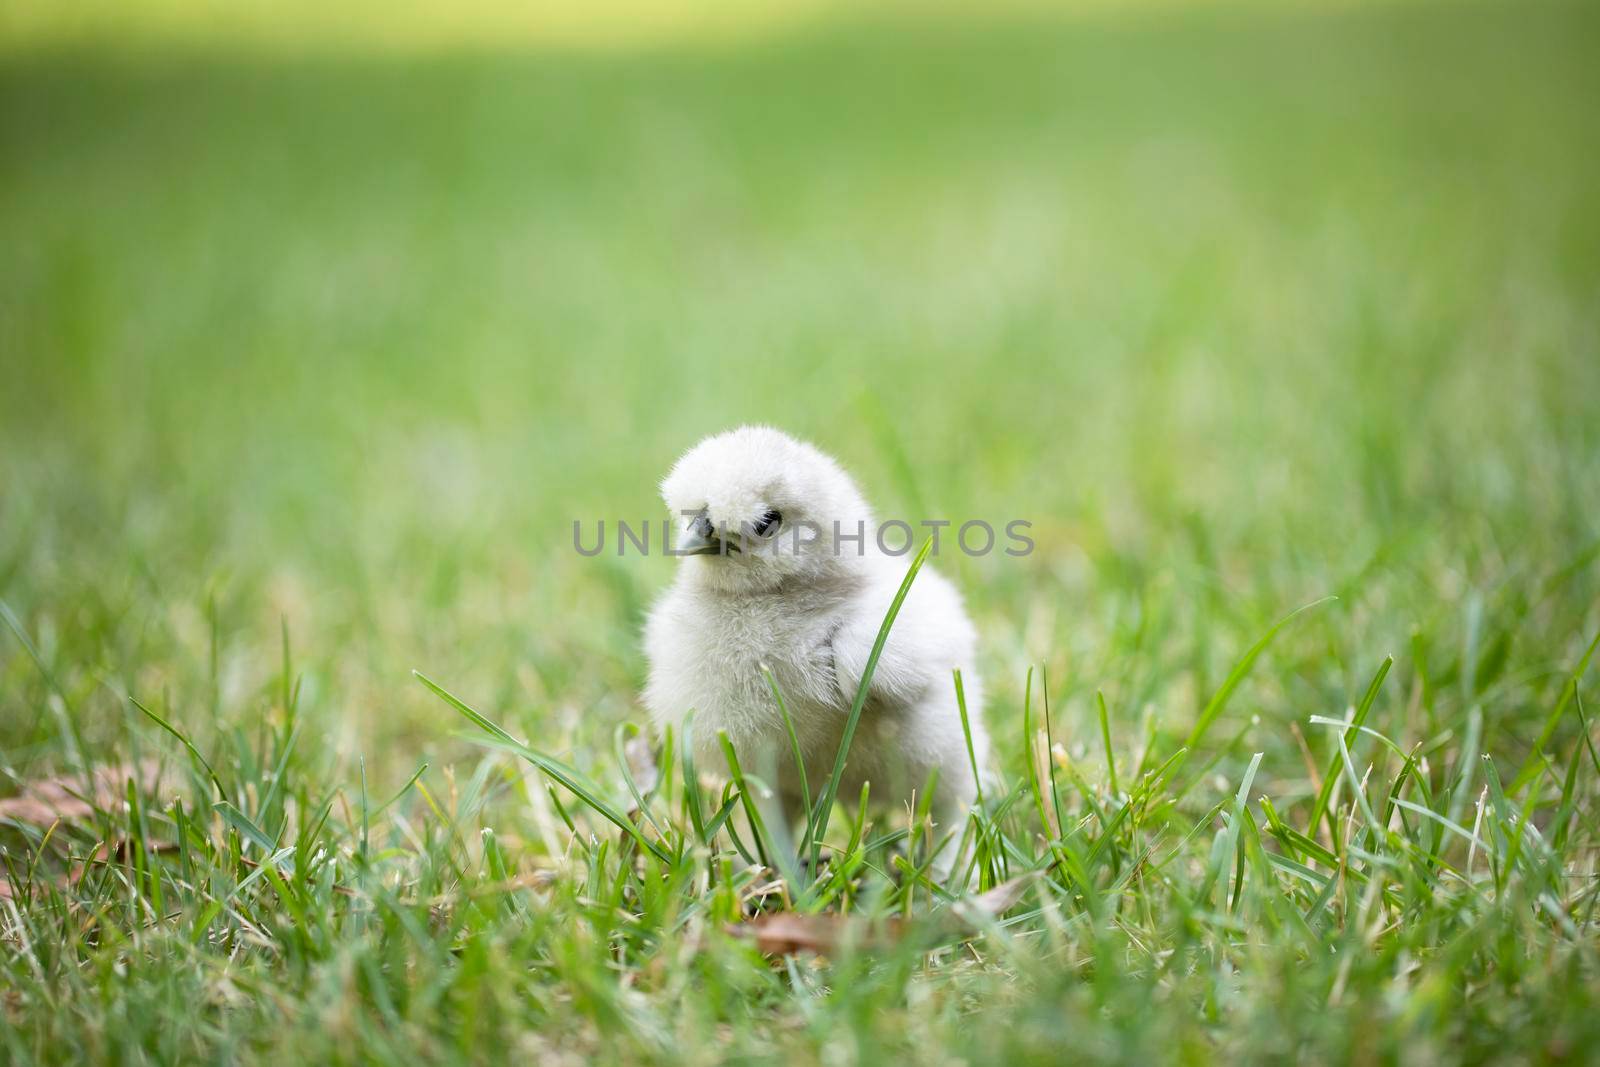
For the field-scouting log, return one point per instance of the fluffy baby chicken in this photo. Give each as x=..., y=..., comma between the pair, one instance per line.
x=765, y=582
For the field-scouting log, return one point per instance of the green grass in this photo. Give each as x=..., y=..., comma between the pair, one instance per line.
x=307, y=365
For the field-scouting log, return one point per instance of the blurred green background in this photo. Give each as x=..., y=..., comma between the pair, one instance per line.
x=1238, y=306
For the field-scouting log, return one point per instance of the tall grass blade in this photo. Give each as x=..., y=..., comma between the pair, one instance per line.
x=567, y=776
x=1219, y=700
x=824, y=808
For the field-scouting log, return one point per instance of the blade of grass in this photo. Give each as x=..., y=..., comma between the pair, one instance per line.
x=70, y=737
x=1027, y=756
x=1530, y=766
x=1219, y=700
x=567, y=776
x=824, y=809
x=241, y=822
x=752, y=812
x=1332, y=774
x=799, y=758
x=1050, y=752
x=186, y=743
x=619, y=750
x=966, y=731
x=1105, y=736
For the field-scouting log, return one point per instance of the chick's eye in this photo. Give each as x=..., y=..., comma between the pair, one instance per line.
x=767, y=523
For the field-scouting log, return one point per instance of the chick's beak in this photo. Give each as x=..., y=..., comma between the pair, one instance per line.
x=693, y=543
x=701, y=539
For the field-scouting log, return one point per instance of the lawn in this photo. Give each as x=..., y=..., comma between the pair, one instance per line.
x=311, y=357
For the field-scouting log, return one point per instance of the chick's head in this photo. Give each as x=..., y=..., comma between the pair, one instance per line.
x=756, y=509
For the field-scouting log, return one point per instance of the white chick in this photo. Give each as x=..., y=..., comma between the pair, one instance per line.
x=762, y=584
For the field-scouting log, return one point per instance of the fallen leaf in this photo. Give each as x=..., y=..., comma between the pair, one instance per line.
x=71, y=798
x=118, y=852
x=999, y=900
x=789, y=933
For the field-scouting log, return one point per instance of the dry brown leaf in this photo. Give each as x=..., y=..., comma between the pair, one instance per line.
x=99, y=856
x=999, y=900
x=70, y=798
x=788, y=933
x=104, y=853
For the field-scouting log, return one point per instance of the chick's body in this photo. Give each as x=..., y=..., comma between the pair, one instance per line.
x=809, y=609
